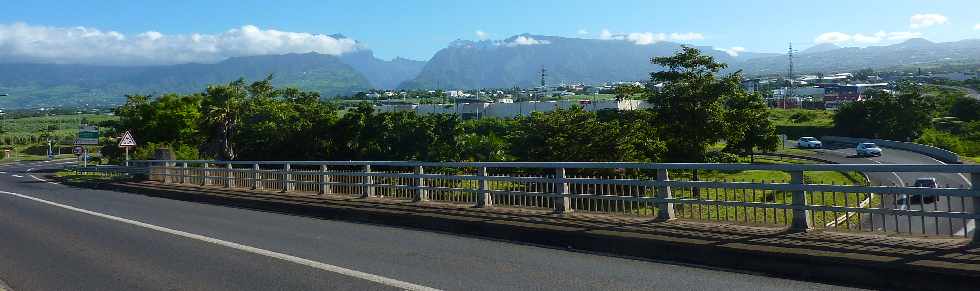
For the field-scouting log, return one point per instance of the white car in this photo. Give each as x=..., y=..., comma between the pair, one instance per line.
x=808, y=142
x=868, y=149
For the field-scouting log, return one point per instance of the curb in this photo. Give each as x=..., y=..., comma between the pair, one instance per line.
x=781, y=262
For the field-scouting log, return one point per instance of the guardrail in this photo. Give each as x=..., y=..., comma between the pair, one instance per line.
x=931, y=151
x=791, y=194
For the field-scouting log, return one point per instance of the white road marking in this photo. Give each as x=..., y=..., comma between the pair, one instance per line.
x=241, y=247
x=43, y=180
x=18, y=176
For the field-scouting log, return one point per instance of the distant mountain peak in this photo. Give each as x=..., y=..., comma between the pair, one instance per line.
x=917, y=40
x=823, y=47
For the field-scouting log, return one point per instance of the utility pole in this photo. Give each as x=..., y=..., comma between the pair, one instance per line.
x=544, y=74
x=791, y=90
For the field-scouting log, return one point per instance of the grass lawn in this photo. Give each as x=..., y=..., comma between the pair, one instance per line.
x=73, y=177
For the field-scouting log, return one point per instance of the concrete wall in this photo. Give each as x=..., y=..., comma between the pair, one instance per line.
x=934, y=152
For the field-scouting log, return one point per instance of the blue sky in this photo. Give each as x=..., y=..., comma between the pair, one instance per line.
x=417, y=29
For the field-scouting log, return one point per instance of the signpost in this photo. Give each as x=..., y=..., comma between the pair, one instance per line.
x=87, y=135
x=126, y=142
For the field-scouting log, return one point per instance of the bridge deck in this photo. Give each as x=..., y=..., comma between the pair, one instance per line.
x=859, y=258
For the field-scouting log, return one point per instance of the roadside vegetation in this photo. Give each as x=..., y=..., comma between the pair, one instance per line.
x=697, y=108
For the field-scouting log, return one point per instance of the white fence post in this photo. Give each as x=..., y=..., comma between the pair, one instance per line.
x=665, y=210
x=257, y=175
x=368, y=181
x=421, y=194
x=286, y=178
x=801, y=217
x=563, y=203
x=183, y=172
x=324, y=181
x=229, y=175
x=975, y=181
x=204, y=174
x=483, y=198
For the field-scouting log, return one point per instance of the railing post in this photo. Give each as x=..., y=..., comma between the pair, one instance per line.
x=665, y=210
x=229, y=175
x=287, y=177
x=183, y=172
x=421, y=194
x=975, y=182
x=483, y=198
x=368, y=181
x=801, y=217
x=166, y=173
x=563, y=203
x=324, y=181
x=257, y=181
x=204, y=174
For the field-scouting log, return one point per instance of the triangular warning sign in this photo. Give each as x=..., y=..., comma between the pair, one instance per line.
x=127, y=140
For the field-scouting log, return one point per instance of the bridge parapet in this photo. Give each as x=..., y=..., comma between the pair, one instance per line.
x=791, y=198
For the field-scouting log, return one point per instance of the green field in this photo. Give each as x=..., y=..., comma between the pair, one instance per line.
x=27, y=137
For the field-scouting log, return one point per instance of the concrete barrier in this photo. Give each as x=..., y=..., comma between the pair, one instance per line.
x=934, y=152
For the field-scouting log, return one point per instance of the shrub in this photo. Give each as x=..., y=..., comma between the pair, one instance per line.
x=941, y=139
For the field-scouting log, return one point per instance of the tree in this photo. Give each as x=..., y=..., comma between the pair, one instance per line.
x=689, y=104
x=965, y=109
x=749, y=127
x=901, y=116
x=626, y=91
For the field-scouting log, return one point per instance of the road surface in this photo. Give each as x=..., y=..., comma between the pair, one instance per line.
x=59, y=238
x=970, y=92
x=845, y=154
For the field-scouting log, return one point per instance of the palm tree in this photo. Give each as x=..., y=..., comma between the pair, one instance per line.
x=223, y=107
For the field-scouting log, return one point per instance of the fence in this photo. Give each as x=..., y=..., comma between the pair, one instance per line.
x=792, y=195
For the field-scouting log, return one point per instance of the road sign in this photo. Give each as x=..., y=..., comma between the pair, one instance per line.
x=87, y=135
x=78, y=151
x=127, y=140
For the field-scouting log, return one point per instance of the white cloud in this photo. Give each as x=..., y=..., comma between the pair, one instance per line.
x=833, y=37
x=482, y=35
x=902, y=35
x=733, y=51
x=859, y=38
x=605, y=34
x=977, y=27
x=83, y=45
x=686, y=36
x=645, y=38
x=927, y=20
x=583, y=32
x=526, y=40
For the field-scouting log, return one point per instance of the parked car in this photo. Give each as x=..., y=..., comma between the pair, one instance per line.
x=926, y=182
x=868, y=149
x=808, y=142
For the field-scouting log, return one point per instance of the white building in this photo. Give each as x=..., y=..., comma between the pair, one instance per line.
x=512, y=109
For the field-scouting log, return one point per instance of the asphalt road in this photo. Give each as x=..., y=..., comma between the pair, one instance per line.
x=56, y=237
x=845, y=154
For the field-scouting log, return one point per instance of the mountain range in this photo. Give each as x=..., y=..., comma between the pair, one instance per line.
x=515, y=61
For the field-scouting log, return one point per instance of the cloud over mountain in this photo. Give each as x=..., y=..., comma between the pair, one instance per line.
x=21, y=42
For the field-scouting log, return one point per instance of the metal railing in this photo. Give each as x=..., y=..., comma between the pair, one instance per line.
x=790, y=194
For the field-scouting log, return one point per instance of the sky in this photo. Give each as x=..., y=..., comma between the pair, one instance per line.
x=176, y=31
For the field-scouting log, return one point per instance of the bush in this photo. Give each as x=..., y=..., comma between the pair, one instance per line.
x=803, y=116
x=941, y=139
